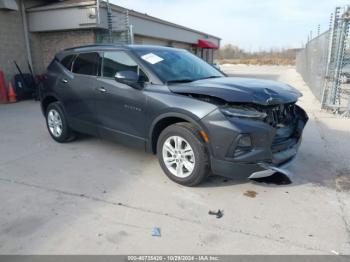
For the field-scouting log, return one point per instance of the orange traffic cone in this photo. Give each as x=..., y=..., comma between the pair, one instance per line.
x=3, y=93
x=12, y=94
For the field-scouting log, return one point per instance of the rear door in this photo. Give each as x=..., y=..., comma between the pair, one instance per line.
x=80, y=91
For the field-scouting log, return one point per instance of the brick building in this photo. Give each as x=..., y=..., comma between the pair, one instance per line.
x=12, y=38
x=32, y=31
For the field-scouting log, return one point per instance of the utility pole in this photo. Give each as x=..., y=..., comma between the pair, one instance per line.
x=98, y=18
x=338, y=34
x=109, y=21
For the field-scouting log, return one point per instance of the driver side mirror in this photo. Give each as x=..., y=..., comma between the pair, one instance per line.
x=129, y=78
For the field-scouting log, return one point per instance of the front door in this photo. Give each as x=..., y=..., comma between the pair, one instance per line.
x=121, y=109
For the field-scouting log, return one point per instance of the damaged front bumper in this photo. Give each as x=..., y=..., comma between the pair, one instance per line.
x=266, y=155
x=270, y=170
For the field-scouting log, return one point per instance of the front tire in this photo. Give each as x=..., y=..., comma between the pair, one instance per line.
x=183, y=155
x=57, y=124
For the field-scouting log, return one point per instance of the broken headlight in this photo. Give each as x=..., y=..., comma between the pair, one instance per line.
x=242, y=112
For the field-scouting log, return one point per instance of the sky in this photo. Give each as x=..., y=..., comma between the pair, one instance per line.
x=250, y=24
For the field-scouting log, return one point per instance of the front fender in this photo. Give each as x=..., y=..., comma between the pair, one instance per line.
x=162, y=105
x=185, y=115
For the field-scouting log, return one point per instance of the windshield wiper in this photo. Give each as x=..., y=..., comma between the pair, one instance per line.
x=186, y=80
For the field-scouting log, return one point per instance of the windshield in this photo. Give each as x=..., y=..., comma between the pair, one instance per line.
x=175, y=66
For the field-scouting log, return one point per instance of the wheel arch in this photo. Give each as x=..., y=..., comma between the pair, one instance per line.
x=46, y=101
x=165, y=120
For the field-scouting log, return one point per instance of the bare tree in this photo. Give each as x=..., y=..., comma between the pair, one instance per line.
x=275, y=56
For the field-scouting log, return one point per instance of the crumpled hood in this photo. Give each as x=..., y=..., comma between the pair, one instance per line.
x=241, y=90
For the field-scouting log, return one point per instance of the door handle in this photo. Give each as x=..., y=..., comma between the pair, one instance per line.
x=101, y=89
x=65, y=81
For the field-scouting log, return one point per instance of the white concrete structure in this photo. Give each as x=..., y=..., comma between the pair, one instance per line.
x=83, y=16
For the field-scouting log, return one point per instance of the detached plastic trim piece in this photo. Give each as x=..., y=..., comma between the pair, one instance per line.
x=270, y=170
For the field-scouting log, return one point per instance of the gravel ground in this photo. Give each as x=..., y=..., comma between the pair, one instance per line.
x=96, y=197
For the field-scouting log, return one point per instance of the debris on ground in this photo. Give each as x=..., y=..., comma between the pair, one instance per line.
x=218, y=214
x=250, y=193
x=156, y=232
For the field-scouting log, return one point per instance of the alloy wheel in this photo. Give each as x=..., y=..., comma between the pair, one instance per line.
x=178, y=156
x=55, y=123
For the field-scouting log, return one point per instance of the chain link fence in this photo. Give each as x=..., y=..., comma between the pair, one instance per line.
x=311, y=63
x=119, y=37
x=324, y=64
x=119, y=28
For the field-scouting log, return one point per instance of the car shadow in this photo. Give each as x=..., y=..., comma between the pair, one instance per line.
x=277, y=179
x=314, y=164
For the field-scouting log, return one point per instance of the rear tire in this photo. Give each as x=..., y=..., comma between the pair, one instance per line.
x=57, y=124
x=183, y=155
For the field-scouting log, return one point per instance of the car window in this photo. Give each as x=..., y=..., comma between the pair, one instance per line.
x=114, y=62
x=87, y=64
x=67, y=61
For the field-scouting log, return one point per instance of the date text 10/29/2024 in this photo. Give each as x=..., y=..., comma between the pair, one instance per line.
x=173, y=258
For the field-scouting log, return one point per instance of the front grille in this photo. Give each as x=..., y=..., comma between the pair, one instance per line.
x=280, y=115
x=284, y=119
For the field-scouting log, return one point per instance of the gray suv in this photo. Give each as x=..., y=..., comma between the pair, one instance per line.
x=173, y=104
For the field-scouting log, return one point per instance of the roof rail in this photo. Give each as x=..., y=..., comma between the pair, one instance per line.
x=92, y=45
